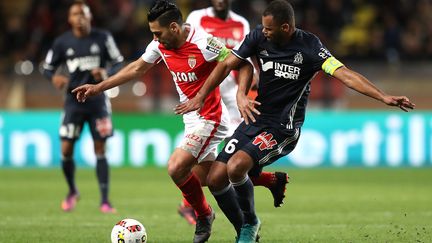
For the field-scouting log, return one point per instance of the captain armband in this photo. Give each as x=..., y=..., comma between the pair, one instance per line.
x=223, y=54
x=331, y=64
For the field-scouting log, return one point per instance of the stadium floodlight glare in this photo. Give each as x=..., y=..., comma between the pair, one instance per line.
x=139, y=88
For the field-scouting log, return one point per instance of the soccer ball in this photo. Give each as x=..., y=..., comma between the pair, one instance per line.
x=128, y=231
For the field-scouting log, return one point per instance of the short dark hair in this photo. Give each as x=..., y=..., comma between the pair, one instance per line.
x=282, y=12
x=165, y=12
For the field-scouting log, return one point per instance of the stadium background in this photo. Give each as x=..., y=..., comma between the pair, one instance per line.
x=390, y=42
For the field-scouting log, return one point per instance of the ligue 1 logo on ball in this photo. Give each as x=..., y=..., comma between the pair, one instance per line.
x=192, y=61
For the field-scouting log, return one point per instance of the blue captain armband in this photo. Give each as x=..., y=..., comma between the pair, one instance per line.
x=331, y=64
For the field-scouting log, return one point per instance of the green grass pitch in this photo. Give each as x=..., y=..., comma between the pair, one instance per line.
x=322, y=205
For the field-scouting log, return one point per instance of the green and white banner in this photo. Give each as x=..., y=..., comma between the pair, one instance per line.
x=328, y=139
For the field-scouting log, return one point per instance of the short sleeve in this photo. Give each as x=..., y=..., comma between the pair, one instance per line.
x=54, y=56
x=323, y=59
x=112, y=49
x=248, y=46
x=214, y=50
x=152, y=53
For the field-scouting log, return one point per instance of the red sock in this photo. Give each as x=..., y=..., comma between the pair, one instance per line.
x=194, y=194
x=266, y=179
x=186, y=203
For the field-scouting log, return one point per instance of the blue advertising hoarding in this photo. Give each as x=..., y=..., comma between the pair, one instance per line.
x=328, y=139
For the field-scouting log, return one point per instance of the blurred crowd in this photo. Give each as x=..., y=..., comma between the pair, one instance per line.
x=387, y=31
x=390, y=30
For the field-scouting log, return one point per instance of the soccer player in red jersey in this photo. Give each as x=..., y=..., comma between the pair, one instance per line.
x=230, y=28
x=190, y=55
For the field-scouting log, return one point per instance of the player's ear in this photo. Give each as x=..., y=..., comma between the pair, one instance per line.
x=173, y=26
x=285, y=27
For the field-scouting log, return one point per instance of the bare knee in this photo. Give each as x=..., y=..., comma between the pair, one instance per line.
x=239, y=165
x=177, y=170
x=217, y=178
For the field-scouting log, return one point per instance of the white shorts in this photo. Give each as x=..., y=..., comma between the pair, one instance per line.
x=202, y=136
x=228, y=90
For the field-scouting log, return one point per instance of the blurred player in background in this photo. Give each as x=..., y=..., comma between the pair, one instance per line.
x=230, y=28
x=190, y=54
x=289, y=58
x=86, y=52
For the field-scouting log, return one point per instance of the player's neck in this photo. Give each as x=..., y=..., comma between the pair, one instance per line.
x=221, y=14
x=184, y=33
x=81, y=32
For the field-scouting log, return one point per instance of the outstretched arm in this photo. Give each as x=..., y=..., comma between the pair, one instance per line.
x=218, y=74
x=361, y=84
x=131, y=71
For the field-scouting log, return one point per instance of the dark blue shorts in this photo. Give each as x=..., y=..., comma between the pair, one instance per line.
x=74, y=118
x=264, y=143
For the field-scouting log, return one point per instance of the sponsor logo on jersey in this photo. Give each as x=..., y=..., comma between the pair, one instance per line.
x=264, y=141
x=83, y=63
x=298, y=58
x=281, y=70
x=192, y=61
x=184, y=76
x=214, y=45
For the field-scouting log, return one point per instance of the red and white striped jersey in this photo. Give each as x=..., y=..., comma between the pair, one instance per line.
x=230, y=31
x=190, y=66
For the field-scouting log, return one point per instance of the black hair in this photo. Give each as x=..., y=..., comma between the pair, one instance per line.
x=282, y=12
x=165, y=12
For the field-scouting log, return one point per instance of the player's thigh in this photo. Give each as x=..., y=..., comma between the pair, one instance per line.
x=217, y=178
x=72, y=123
x=202, y=138
x=270, y=145
x=100, y=124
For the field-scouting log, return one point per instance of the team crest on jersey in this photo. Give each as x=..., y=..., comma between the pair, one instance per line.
x=70, y=52
x=264, y=141
x=192, y=61
x=298, y=58
x=94, y=48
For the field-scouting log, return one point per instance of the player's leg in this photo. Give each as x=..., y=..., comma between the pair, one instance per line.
x=68, y=167
x=180, y=167
x=101, y=129
x=69, y=131
x=102, y=174
x=224, y=194
x=185, y=209
x=275, y=182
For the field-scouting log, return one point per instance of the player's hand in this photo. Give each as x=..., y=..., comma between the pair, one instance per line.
x=84, y=91
x=246, y=107
x=400, y=101
x=191, y=105
x=99, y=74
x=60, y=81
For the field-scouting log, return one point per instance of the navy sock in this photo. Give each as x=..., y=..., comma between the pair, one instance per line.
x=102, y=173
x=68, y=167
x=245, y=194
x=227, y=201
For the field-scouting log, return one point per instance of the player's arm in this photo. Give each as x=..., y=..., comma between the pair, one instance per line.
x=53, y=60
x=131, y=71
x=362, y=85
x=245, y=105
